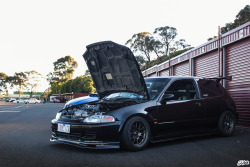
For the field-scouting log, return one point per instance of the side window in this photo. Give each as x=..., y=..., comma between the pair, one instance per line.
x=183, y=90
x=210, y=88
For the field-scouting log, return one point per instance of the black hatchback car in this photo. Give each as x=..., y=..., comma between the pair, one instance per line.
x=132, y=111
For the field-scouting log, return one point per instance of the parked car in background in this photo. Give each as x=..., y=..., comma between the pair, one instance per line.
x=54, y=99
x=7, y=100
x=33, y=101
x=12, y=99
x=20, y=101
x=131, y=111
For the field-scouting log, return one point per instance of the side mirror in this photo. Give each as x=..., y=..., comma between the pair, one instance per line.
x=166, y=97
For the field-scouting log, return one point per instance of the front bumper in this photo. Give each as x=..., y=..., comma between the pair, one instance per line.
x=99, y=136
x=87, y=144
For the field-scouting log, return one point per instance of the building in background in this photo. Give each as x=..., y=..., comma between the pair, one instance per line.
x=205, y=61
x=26, y=95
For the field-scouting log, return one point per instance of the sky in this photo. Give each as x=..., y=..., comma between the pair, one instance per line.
x=35, y=33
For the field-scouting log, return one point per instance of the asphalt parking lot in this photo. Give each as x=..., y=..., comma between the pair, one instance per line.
x=25, y=133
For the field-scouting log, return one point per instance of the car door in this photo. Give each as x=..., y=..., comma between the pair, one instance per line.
x=184, y=113
x=214, y=102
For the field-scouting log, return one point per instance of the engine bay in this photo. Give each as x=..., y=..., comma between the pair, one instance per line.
x=88, y=109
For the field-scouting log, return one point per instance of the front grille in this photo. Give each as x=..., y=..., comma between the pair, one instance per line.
x=74, y=135
x=89, y=135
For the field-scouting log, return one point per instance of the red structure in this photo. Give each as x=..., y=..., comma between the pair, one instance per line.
x=204, y=61
x=76, y=95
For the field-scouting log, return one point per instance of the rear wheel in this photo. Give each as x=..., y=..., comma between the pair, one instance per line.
x=136, y=134
x=227, y=123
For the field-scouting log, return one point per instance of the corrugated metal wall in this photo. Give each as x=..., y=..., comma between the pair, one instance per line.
x=164, y=73
x=207, y=65
x=238, y=66
x=182, y=69
x=152, y=75
x=205, y=59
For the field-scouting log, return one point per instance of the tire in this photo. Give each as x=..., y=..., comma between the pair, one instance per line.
x=227, y=123
x=136, y=134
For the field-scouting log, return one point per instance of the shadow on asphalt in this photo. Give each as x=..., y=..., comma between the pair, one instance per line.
x=114, y=151
x=151, y=146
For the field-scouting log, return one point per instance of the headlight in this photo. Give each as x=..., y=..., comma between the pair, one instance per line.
x=58, y=115
x=99, y=119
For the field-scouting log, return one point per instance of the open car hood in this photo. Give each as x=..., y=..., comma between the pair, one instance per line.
x=114, y=68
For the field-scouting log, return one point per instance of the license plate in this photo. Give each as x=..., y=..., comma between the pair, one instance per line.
x=63, y=128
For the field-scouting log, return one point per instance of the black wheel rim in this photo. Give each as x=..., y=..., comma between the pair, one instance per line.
x=228, y=123
x=137, y=133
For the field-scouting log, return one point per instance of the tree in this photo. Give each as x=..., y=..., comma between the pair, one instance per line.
x=3, y=82
x=87, y=73
x=179, y=45
x=63, y=71
x=209, y=39
x=241, y=18
x=46, y=93
x=228, y=27
x=167, y=35
x=140, y=43
x=64, y=68
x=18, y=80
x=155, y=46
x=66, y=86
x=32, y=82
x=82, y=84
x=141, y=61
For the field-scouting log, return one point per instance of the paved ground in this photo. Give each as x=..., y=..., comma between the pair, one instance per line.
x=25, y=133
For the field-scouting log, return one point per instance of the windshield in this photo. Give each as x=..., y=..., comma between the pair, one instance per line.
x=124, y=95
x=155, y=86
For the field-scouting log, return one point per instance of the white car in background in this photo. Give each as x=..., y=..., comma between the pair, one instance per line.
x=33, y=101
x=20, y=101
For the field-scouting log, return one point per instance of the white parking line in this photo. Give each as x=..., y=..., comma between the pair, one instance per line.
x=9, y=111
x=3, y=109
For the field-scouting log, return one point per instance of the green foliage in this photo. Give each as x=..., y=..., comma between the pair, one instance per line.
x=164, y=58
x=3, y=82
x=155, y=46
x=209, y=39
x=55, y=88
x=33, y=80
x=145, y=43
x=64, y=69
x=82, y=84
x=28, y=80
x=66, y=87
x=141, y=61
x=140, y=43
x=46, y=93
x=167, y=35
x=19, y=81
x=241, y=18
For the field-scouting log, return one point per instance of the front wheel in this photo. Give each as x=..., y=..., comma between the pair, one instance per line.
x=136, y=134
x=227, y=123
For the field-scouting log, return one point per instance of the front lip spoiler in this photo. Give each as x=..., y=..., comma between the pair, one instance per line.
x=89, y=144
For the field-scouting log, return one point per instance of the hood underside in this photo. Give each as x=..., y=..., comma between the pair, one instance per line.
x=114, y=68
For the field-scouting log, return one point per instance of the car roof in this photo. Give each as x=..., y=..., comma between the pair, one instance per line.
x=177, y=77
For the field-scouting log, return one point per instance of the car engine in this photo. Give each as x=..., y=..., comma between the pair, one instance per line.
x=84, y=110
